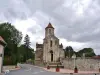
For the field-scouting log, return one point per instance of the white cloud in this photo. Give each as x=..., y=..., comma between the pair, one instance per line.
x=23, y=25
x=76, y=45
x=77, y=5
x=79, y=19
x=2, y=18
x=31, y=27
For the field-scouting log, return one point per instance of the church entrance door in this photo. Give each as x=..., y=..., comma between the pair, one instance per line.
x=51, y=52
x=52, y=57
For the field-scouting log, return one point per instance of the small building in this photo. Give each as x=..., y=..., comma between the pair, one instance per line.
x=50, y=50
x=2, y=45
x=96, y=57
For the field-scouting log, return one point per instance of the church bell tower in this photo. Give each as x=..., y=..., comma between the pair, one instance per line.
x=49, y=30
x=51, y=50
x=50, y=45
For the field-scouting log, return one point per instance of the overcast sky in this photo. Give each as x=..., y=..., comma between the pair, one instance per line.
x=76, y=22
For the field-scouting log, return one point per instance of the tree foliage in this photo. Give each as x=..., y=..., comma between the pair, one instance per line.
x=12, y=37
x=69, y=51
x=89, y=52
x=27, y=41
x=22, y=51
x=25, y=51
x=27, y=45
x=10, y=33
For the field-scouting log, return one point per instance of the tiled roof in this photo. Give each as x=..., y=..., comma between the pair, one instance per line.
x=2, y=41
x=96, y=57
x=49, y=25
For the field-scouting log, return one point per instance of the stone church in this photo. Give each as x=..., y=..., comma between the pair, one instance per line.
x=50, y=50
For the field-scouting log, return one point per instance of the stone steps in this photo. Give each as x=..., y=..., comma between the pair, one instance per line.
x=54, y=64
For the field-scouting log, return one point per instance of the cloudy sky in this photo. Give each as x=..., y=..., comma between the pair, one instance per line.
x=76, y=22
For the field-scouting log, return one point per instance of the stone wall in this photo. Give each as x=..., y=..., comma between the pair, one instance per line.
x=38, y=57
x=39, y=54
x=83, y=64
x=8, y=68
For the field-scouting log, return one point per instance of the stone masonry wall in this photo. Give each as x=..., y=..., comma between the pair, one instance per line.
x=82, y=64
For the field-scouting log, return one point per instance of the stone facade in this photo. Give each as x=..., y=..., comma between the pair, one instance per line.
x=50, y=50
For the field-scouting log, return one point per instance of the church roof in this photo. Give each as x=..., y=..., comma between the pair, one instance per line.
x=2, y=41
x=50, y=26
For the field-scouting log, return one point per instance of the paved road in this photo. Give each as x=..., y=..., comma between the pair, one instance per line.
x=32, y=70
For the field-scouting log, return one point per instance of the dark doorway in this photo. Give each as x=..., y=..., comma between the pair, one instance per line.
x=52, y=57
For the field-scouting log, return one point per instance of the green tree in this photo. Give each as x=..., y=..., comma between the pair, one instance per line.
x=27, y=45
x=69, y=51
x=29, y=51
x=27, y=41
x=89, y=52
x=23, y=53
x=12, y=37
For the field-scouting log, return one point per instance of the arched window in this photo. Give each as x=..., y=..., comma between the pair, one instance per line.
x=51, y=43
